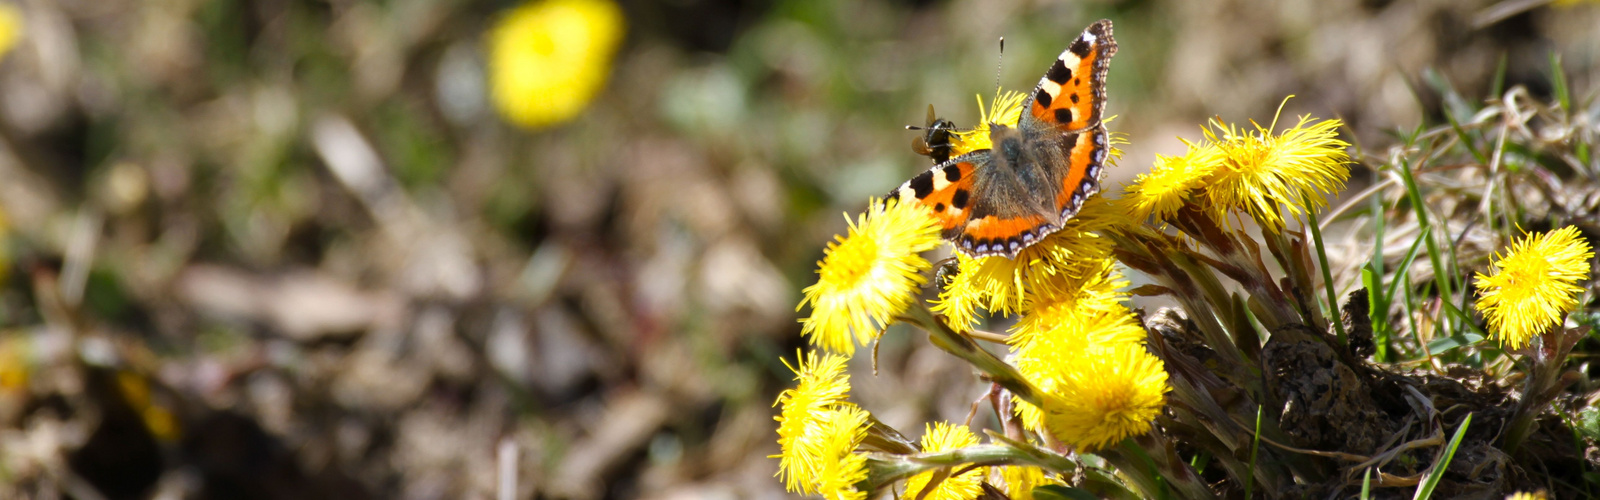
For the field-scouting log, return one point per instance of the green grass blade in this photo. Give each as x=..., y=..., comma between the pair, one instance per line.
x=1327, y=275
x=1250, y=468
x=1377, y=312
x=1425, y=490
x=1441, y=274
x=1499, y=83
x=1366, y=484
x=1558, y=83
x=1059, y=492
x=1402, y=273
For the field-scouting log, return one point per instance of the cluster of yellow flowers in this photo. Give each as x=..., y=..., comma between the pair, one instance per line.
x=1076, y=340
x=820, y=431
x=1256, y=171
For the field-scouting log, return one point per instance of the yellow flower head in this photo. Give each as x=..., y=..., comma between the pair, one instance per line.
x=1170, y=182
x=945, y=437
x=869, y=276
x=1534, y=285
x=1523, y=495
x=1107, y=395
x=547, y=59
x=1005, y=110
x=822, y=386
x=1050, y=341
x=831, y=444
x=10, y=27
x=1262, y=171
x=1058, y=265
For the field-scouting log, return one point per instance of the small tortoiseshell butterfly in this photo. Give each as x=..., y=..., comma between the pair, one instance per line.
x=1038, y=175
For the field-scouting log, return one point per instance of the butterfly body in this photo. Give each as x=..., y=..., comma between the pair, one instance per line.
x=1036, y=175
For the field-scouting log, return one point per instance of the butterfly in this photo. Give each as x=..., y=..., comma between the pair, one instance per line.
x=1038, y=174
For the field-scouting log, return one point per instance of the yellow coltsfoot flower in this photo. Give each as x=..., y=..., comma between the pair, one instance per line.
x=1106, y=395
x=1059, y=265
x=944, y=436
x=831, y=444
x=1262, y=172
x=548, y=59
x=1534, y=285
x=1049, y=343
x=869, y=276
x=822, y=386
x=1171, y=182
x=1006, y=109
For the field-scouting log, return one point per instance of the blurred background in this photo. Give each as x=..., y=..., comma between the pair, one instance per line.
x=457, y=249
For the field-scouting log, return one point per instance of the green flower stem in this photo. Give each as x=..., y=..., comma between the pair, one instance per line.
x=965, y=348
x=884, y=470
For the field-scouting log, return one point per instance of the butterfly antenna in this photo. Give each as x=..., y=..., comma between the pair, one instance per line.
x=998, y=65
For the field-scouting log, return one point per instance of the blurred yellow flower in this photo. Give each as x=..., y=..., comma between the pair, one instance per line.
x=1106, y=395
x=1170, y=182
x=822, y=386
x=1261, y=171
x=1057, y=265
x=5, y=256
x=1006, y=109
x=10, y=27
x=1523, y=495
x=870, y=275
x=944, y=436
x=1534, y=285
x=547, y=59
x=136, y=391
x=13, y=362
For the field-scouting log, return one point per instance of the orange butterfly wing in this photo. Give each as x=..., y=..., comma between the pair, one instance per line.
x=1086, y=158
x=1073, y=91
x=946, y=190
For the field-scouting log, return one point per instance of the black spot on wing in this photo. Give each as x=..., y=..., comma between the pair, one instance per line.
x=1064, y=115
x=959, y=200
x=1098, y=29
x=1080, y=48
x=1042, y=97
x=1059, y=73
x=922, y=184
x=938, y=207
x=952, y=173
x=1074, y=97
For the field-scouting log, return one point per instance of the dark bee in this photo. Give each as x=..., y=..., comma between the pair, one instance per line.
x=935, y=140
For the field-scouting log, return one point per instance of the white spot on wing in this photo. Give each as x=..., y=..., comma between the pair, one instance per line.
x=1049, y=87
x=1069, y=60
